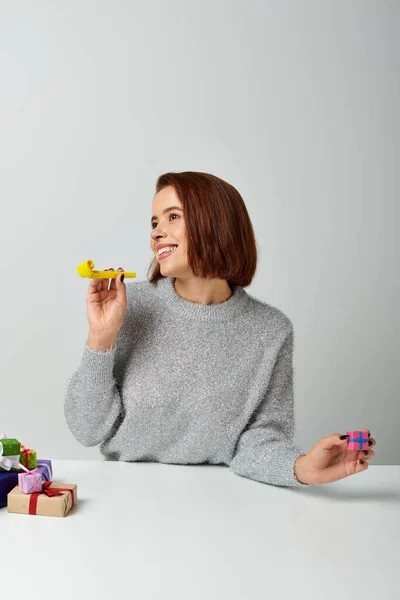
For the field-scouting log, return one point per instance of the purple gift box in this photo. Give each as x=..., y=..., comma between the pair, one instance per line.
x=30, y=483
x=44, y=467
x=8, y=481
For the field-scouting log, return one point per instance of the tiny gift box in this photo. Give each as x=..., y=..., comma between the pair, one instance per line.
x=28, y=457
x=358, y=440
x=30, y=483
x=10, y=450
x=55, y=500
x=8, y=481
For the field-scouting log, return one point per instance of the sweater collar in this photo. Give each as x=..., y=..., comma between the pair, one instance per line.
x=167, y=297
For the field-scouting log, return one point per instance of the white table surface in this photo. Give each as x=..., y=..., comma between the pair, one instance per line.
x=202, y=532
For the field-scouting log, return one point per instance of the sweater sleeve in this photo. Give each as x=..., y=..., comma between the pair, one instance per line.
x=92, y=404
x=265, y=450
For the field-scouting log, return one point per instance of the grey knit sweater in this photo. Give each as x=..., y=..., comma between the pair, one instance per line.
x=188, y=383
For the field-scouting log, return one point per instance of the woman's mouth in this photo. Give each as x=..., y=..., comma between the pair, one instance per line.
x=166, y=254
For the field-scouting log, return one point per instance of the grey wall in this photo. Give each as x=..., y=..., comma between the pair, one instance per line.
x=294, y=103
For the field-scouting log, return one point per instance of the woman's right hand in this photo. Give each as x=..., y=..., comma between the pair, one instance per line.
x=106, y=307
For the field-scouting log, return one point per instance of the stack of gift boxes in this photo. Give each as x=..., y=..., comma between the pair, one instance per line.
x=26, y=483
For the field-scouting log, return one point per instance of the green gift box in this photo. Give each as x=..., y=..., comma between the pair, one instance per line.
x=11, y=450
x=28, y=458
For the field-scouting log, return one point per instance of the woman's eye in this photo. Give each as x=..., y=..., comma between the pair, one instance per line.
x=171, y=215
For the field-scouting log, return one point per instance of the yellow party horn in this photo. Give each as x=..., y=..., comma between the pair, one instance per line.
x=86, y=270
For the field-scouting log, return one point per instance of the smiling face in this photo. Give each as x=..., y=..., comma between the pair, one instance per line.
x=169, y=228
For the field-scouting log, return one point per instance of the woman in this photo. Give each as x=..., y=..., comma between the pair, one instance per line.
x=188, y=368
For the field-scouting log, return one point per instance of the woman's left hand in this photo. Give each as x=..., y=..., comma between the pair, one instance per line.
x=329, y=460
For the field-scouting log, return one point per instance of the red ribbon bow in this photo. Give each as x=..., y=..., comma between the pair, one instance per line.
x=49, y=492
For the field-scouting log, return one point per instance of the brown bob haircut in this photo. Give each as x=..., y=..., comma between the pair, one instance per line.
x=220, y=236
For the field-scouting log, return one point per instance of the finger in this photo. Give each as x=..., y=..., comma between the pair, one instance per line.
x=121, y=292
x=120, y=269
x=97, y=285
x=367, y=430
x=362, y=465
x=94, y=286
x=113, y=285
x=334, y=440
x=366, y=454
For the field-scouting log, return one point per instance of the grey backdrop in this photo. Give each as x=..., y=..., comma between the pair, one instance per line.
x=294, y=103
